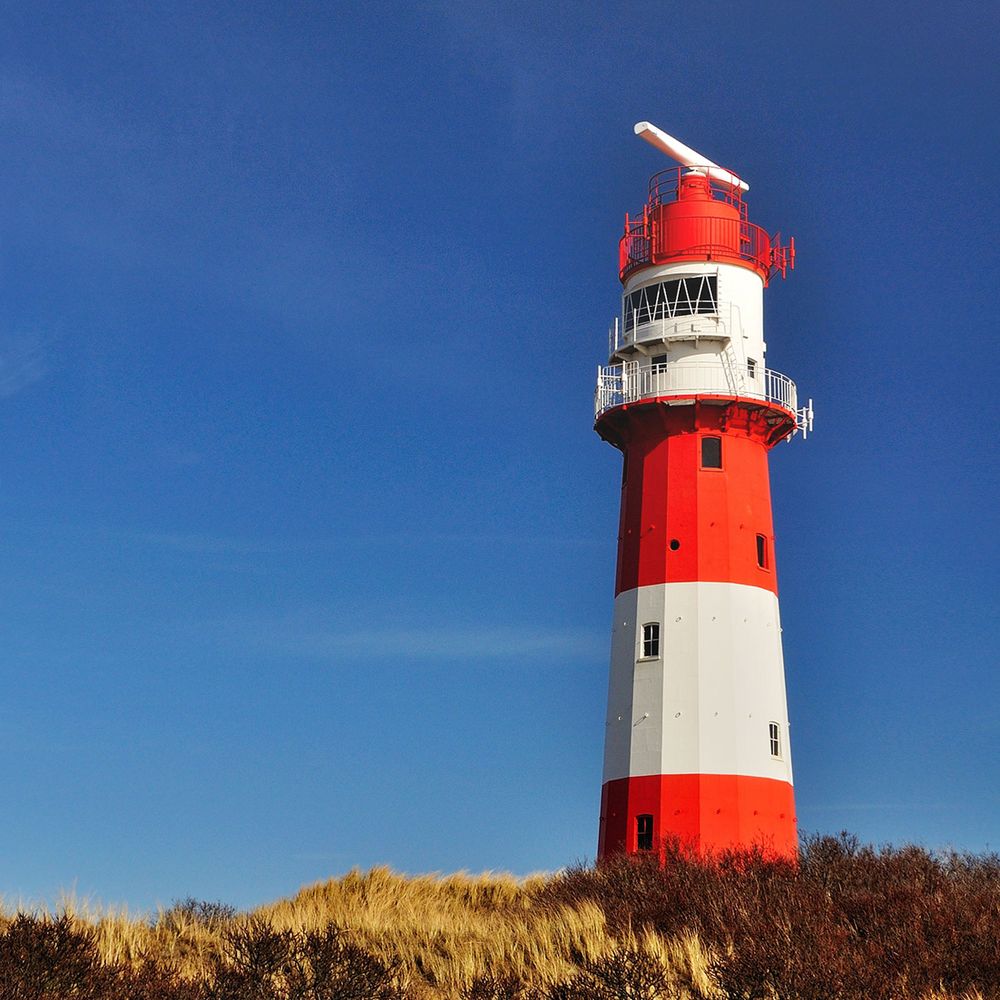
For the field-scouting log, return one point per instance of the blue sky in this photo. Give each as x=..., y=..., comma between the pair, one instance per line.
x=307, y=543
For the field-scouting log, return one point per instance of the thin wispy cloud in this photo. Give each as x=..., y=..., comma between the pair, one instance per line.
x=433, y=641
x=210, y=544
x=129, y=171
x=879, y=806
x=197, y=544
x=175, y=457
x=449, y=643
x=22, y=363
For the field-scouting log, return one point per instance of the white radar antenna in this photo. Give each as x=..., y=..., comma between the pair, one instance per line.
x=686, y=156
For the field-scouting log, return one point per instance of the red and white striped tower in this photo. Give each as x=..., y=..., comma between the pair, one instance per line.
x=697, y=745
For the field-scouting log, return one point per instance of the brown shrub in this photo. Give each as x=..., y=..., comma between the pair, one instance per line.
x=43, y=959
x=490, y=987
x=262, y=963
x=624, y=974
x=849, y=921
x=46, y=959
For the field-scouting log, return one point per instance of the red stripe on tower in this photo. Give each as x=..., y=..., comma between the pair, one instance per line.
x=696, y=747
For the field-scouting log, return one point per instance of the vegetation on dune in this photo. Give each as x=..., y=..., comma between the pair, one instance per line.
x=848, y=922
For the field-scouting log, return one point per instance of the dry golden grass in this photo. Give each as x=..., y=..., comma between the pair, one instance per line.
x=446, y=930
x=449, y=930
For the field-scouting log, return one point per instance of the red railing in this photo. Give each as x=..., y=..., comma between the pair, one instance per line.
x=663, y=188
x=645, y=243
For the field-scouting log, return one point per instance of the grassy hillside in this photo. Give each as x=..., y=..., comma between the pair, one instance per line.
x=848, y=922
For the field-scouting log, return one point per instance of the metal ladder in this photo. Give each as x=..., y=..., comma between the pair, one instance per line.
x=735, y=374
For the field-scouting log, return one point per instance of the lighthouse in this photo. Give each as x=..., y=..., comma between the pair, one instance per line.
x=697, y=747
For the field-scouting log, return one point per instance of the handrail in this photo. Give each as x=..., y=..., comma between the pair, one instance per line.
x=643, y=241
x=665, y=184
x=629, y=382
x=639, y=247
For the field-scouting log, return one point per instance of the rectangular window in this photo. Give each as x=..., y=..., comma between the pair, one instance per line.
x=658, y=360
x=774, y=733
x=762, y=551
x=650, y=640
x=644, y=833
x=711, y=453
x=751, y=368
x=696, y=295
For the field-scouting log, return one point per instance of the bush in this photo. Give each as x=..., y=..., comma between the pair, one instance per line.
x=42, y=959
x=625, y=974
x=492, y=987
x=261, y=963
x=848, y=921
x=214, y=916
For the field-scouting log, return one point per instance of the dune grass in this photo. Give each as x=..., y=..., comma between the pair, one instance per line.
x=849, y=921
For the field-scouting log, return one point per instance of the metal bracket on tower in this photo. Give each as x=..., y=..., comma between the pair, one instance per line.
x=804, y=419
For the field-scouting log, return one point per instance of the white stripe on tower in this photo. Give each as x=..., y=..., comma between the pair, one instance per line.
x=706, y=703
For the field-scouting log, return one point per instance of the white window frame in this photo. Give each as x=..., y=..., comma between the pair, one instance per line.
x=652, y=639
x=774, y=737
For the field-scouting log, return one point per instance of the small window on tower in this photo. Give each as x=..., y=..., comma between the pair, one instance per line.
x=711, y=453
x=774, y=733
x=659, y=360
x=650, y=640
x=751, y=368
x=644, y=833
x=762, y=551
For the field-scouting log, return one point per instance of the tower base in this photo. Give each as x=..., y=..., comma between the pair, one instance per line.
x=707, y=813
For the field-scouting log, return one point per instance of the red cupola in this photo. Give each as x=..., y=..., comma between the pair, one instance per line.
x=690, y=215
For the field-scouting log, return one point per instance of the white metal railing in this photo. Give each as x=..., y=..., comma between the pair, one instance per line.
x=618, y=384
x=721, y=324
